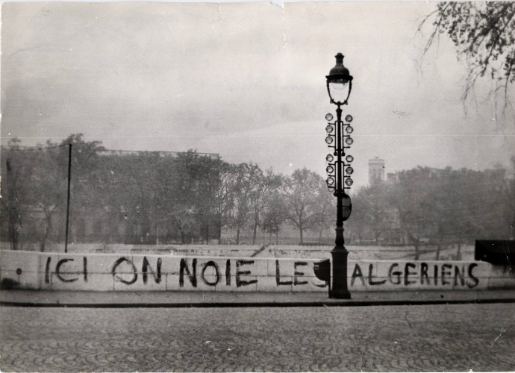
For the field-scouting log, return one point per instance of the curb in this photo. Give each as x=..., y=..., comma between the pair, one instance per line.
x=259, y=304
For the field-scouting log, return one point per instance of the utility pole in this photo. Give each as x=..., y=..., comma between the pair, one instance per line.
x=68, y=198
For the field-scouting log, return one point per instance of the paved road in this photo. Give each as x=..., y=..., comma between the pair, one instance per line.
x=480, y=337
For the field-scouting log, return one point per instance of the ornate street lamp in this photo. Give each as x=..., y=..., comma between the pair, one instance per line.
x=339, y=87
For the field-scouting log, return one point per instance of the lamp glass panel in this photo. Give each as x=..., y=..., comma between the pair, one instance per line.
x=349, y=170
x=329, y=140
x=348, y=181
x=330, y=169
x=349, y=141
x=329, y=158
x=349, y=129
x=339, y=90
x=329, y=128
x=349, y=158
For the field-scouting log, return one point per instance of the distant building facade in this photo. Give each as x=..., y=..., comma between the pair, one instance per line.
x=391, y=231
x=376, y=170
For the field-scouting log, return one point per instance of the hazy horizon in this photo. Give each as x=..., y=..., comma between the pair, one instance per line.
x=245, y=81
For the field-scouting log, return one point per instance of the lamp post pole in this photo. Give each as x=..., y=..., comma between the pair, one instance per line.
x=339, y=254
x=339, y=86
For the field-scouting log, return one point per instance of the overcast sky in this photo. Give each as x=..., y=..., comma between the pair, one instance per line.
x=246, y=81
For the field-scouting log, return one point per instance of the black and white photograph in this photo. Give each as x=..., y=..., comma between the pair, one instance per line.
x=257, y=186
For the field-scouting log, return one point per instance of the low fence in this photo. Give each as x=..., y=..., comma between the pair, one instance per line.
x=118, y=272
x=466, y=252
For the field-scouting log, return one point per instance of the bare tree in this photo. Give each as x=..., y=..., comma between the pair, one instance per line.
x=484, y=36
x=302, y=192
x=275, y=213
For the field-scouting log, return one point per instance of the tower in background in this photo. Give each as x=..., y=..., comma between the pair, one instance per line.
x=376, y=170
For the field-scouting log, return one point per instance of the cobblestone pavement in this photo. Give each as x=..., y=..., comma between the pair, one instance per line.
x=480, y=337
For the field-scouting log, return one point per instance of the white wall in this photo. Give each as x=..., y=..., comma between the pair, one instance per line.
x=118, y=272
x=108, y=272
